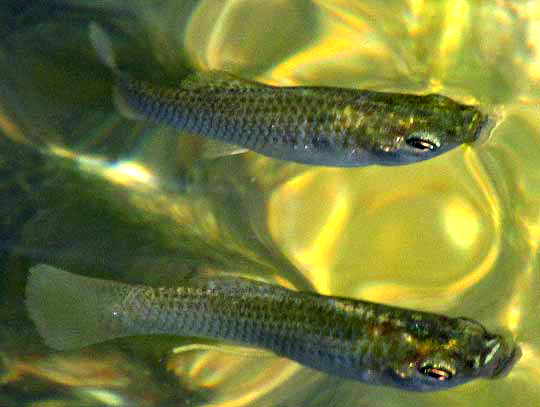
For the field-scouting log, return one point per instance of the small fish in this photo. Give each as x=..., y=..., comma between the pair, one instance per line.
x=311, y=125
x=369, y=342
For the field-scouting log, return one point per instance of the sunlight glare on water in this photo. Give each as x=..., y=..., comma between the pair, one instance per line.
x=457, y=235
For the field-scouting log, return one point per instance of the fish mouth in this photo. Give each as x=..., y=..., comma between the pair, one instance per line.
x=504, y=362
x=488, y=125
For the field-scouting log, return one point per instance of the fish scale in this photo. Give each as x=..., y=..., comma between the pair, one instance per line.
x=355, y=339
x=318, y=125
x=315, y=125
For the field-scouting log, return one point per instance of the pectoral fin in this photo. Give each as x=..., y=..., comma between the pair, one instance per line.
x=216, y=149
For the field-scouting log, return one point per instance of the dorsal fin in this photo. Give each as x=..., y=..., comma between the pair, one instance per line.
x=219, y=79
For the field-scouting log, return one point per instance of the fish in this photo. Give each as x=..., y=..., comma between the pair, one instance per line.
x=322, y=126
x=353, y=339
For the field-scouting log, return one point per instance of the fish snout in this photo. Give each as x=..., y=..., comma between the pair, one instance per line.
x=501, y=358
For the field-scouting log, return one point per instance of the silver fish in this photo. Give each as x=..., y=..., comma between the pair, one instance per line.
x=354, y=339
x=311, y=125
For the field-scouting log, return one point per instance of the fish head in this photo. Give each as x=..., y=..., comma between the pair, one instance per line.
x=426, y=127
x=442, y=354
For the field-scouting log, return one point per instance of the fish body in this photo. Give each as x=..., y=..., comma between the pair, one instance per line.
x=311, y=125
x=360, y=340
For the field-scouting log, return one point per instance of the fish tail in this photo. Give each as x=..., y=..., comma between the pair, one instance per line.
x=68, y=310
x=103, y=46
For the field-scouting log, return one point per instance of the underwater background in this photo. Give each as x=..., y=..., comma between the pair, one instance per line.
x=87, y=190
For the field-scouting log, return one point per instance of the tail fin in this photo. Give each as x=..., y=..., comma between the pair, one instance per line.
x=103, y=46
x=70, y=311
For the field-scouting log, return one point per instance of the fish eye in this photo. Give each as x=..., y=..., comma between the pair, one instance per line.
x=421, y=144
x=434, y=372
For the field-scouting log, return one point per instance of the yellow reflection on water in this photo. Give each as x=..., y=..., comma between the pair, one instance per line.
x=224, y=348
x=529, y=365
x=462, y=223
x=414, y=296
x=512, y=315
x=416, y=6
x=98, y=378
x=483, y=182
x=422, y=251
x=316, y=257
x=235, y=380
x=104, y=396
x=532, y=15
x=420, y=236
x=227, y=34
x=147, y=192
x=11, y=130
x=126, y=173
x=338, y=45
x=457, y=17
x=533, y=231
x=211, y=54
x=320, y=225
x=345, y=37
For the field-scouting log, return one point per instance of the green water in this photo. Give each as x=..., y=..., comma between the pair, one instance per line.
x=86, y=190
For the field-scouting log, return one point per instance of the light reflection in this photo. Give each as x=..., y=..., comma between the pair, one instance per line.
x=512, y=315
x=210, y=370
x=533, y=44
x=227, y=35
x=528, y=368
x=456, y=20
x=74, y=370
x=415, y=296
x=343, y=40
x=416, y=7
x=209, y=56
x=485, y=184
x=11, y=130
x=533, y=232
x=235, y=380
x=461, y=223
x=263, y=386
x=317, y=257
x=147, y=193
x=475, y=276
x=126, y=173
x=317, y=253
x=340, y=44
x=105, y=396
x=107, y=379
x=205, y=368
x=221, y=347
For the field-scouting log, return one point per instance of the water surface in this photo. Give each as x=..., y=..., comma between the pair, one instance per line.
x=86, y=190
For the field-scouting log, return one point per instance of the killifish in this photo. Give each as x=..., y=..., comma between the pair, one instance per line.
x=369, y=342
x=312, y=125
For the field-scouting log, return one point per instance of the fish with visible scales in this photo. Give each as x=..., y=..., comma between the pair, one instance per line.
x=373, y=343
x=323, y=126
